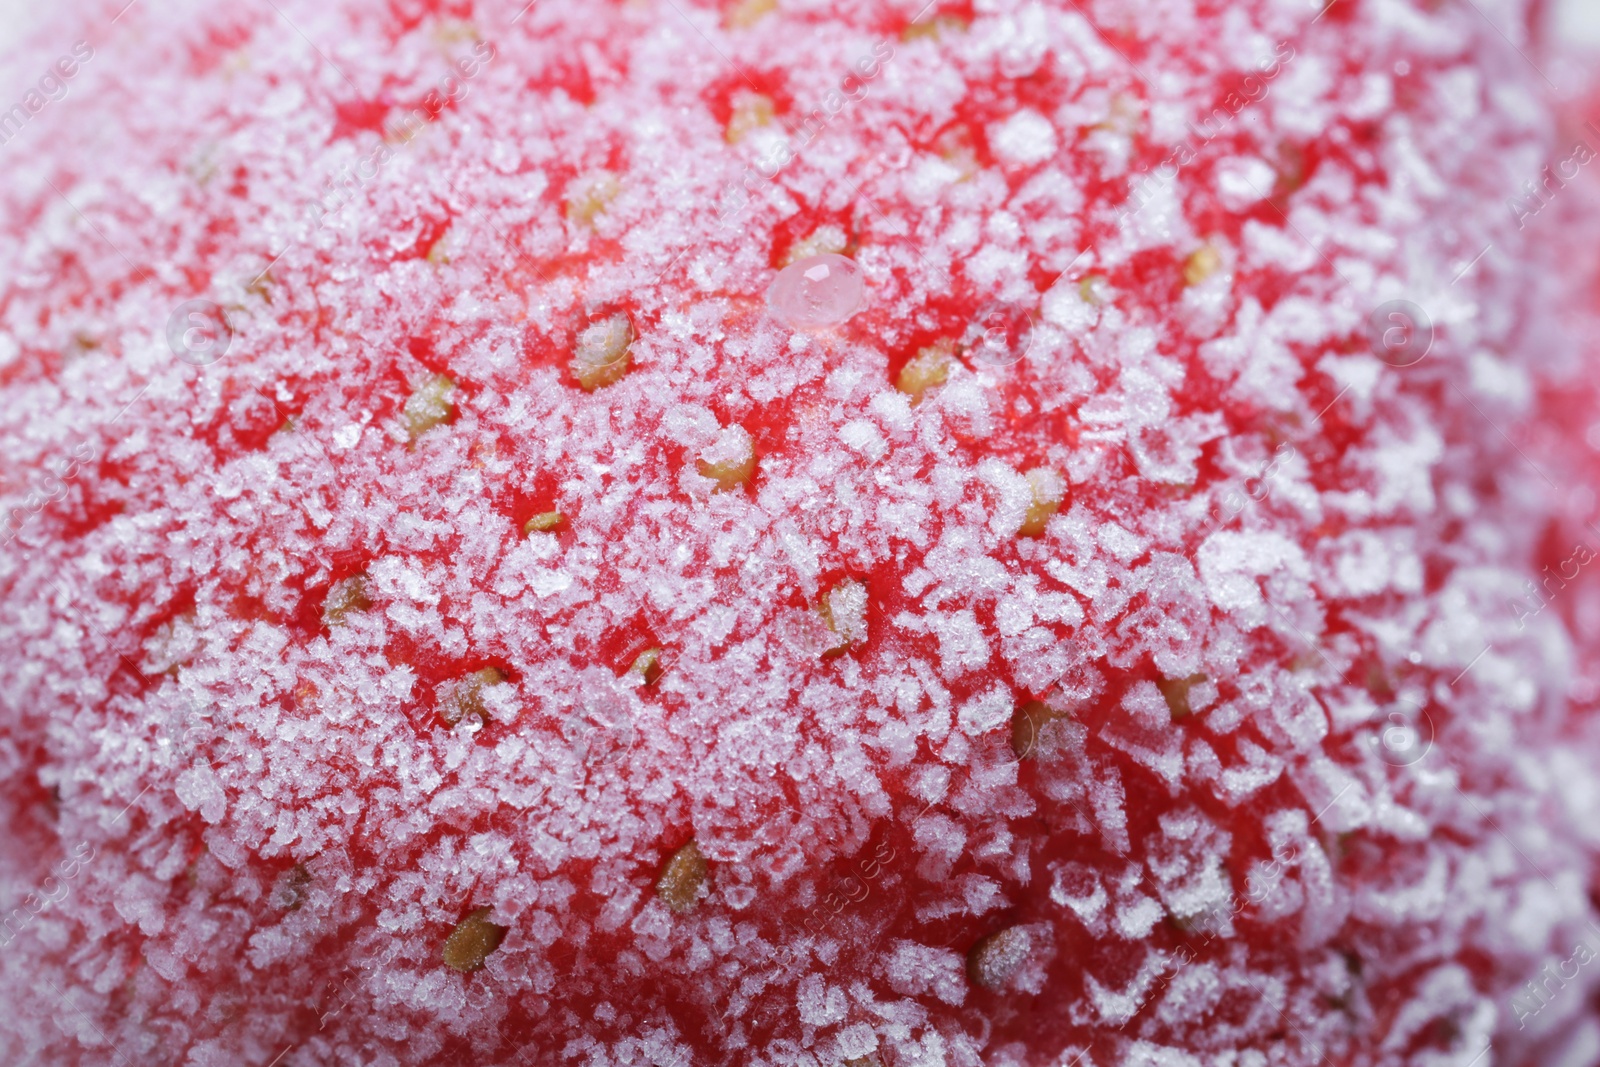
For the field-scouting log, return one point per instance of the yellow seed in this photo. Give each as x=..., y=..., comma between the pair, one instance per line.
x=454, y=31
x=1176, y=691
x=438, y=252
x=1193, y=922
x=751, y=111
x=470, y=943
x=749, y=12
x=543, y=522
x=1027, y=726
x=170, y=648
x=467, y=696
x=823, y=240
x=730, y=460
x=1091, y=289
x=428, y=405
x=844, y=612
x=728, y=474
x=930, y=367
x=1049, y=490
x=260, y=286
x=1291, y=167
x=1124, y=116
x=290, y=892
x=601, y=354
x=588, y=196
x=647, y=666
x=993, y=961
x=343, y=598
x=955, y=148
x=1379, y=683
x=936, y=27
x=681, y=879
x=204, y=163
x=1203, y=262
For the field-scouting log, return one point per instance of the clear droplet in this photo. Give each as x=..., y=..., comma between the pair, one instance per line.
x=817, y=292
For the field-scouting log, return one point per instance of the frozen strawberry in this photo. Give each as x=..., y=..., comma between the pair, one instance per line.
x=772, y=533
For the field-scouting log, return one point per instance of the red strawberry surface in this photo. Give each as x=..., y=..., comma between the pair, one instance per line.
x=1027, y=534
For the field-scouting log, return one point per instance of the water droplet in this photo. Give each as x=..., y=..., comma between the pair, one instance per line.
x=817, y=292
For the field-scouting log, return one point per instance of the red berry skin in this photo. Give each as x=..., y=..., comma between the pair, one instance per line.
x=451, y=614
